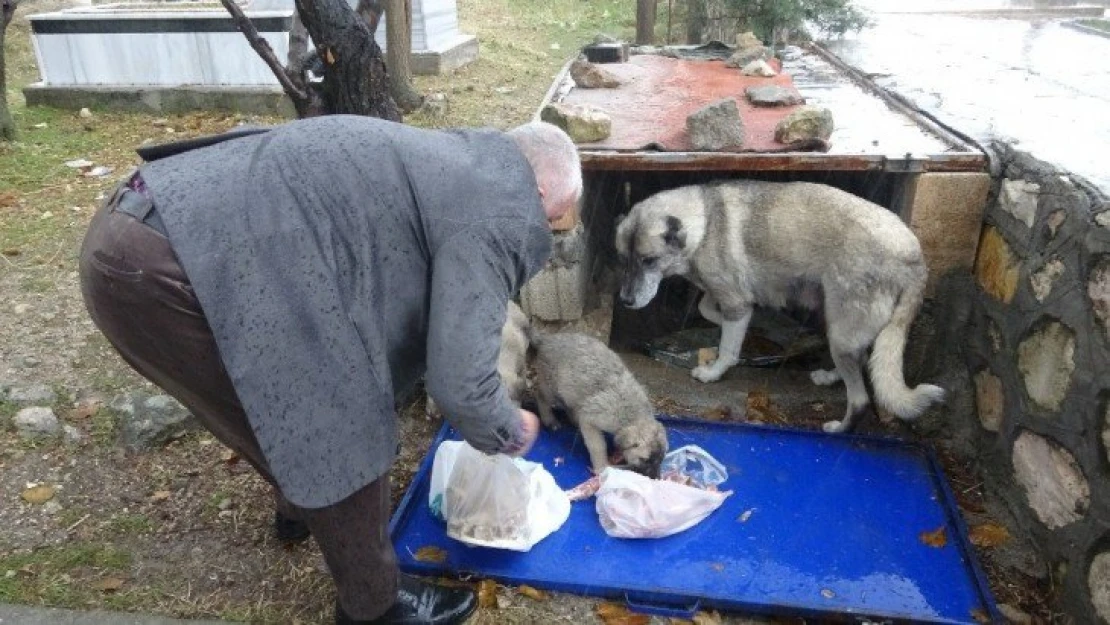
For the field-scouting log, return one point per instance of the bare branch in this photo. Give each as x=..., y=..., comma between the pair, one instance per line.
x=262, y=47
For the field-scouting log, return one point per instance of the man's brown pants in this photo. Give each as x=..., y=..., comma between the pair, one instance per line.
x=139, y=296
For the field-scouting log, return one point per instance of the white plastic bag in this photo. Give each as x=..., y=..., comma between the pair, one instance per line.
x=631, y=505
x=494, y=500
x=695, y=465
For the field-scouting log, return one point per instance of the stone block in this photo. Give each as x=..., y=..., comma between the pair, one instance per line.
x=1019, y=199
x=1098, y=584
x=584, y=123
x=996, y=266
x=1046, y=360
x=1044, y=278
x=716, y=126
x=1098, y=289
x=558, y=293
x=805, y=123
x=1054, y=485
x=946, y=214
x=990, y=401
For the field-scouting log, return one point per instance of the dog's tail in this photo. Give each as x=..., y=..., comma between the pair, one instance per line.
x=887, y=354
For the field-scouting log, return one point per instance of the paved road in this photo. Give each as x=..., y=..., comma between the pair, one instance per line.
x=1033, y=81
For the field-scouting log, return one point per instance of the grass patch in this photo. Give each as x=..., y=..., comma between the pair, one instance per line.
x=64, y=576
x=130, y=524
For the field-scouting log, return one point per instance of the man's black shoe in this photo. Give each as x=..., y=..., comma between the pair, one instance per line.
x=289, y=530
x=421, y=603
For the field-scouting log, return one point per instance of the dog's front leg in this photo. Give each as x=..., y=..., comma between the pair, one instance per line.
x=728, y=352
x=595, y=444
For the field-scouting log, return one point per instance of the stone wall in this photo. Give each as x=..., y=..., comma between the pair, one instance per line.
x=1037, y=351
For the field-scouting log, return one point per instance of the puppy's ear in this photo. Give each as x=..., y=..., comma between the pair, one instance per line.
x=675, y=236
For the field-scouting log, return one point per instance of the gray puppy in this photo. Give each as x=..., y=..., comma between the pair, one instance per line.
x=582, y=376
x=512, y=363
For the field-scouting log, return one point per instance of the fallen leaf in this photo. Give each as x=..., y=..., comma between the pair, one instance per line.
x=936, y=538
x=38, y=495
x=329, y=57
x=707, y=618
x=616, y=614
x=487, y=594
x=160, y=495
x=760, y=408
x=108, y=584
x=988, y=535
x=533, y=593
x=431, y=554
x=718, y=413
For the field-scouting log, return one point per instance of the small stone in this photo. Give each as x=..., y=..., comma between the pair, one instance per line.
x=36, y=495
x=34, y=394
x=1055, y=220
x=996, y=267
x=21, y=309
x=1046, y=360
x=586, y=75
x=773, y=95
x=604, y=38
x=758, y=67
x=989, y=400
x=583, y=123
x=160, y=122
x=84, y=113
x=150, y=422
x=1103, y=219
x=716, y=127
x=805, y=123
x=52, y=507
x=1019, y=198
x=747, y=40
x=1054, y=485
x=1014, y=616
x=72, y=435
x=742, y=57
x=1041, y=282
x=436, y=105
x=36, y=422
x=171, y=130
x=1098, y=289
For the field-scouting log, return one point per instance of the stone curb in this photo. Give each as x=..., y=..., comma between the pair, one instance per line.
x=1086, y=29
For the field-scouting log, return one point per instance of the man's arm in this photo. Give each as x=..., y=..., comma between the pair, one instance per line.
x=473, y=276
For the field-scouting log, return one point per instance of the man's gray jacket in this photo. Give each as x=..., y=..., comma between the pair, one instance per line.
x=338, y=258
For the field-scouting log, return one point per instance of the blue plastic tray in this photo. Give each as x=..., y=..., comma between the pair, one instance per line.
x=835, y=529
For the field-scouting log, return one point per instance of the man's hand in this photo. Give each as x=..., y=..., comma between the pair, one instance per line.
x=529, y=431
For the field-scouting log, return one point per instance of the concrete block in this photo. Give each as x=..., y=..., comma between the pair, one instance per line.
x=462, y=51
x=558, y=293
x=946, y=214
x=132, y=99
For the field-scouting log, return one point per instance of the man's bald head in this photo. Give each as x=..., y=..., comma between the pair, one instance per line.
x=554, y=159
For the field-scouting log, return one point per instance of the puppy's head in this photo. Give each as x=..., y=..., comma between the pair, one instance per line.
x=643, y=444
x=652, y=244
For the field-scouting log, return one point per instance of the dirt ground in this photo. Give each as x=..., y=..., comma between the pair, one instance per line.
x=185, y=530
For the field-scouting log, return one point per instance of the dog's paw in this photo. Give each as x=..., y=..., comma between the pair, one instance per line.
x=833, y=427
x=824, y=377
x=705, y=373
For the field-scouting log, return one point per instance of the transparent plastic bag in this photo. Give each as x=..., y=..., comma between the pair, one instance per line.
x=630, y=505
x=494, y=500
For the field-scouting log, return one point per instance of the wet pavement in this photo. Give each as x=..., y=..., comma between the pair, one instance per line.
x=1030, y=80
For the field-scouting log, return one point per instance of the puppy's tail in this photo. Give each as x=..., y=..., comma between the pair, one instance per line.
x=887, y=354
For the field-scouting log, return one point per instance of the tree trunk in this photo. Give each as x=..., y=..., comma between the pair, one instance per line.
x=356, y=81
x=398, y=51
x=7, y=124
x=645, y=22
x=695, y=21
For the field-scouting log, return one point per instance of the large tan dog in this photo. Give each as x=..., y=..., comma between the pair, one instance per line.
x=746, y=243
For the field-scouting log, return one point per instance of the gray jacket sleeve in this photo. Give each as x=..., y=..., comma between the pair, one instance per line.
x=473, y=276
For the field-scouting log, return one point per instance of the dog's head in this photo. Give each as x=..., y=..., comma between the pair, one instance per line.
x=653, y=243
x=643, y=444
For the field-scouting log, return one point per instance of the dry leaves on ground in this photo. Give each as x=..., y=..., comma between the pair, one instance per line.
x=85, y=409
x=533, y=593
x=989, y=535
x=108, y=584
x=936, y=538
x=616, y=614
x=487, y=594
x=38, y=495
x=761, y=409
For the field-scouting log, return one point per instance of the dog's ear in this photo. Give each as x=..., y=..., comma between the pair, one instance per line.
x=675, y=236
